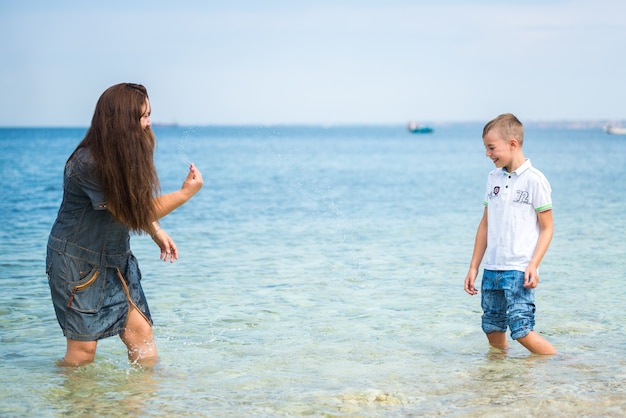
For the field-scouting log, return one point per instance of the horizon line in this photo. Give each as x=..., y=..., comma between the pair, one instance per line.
x=569, y=122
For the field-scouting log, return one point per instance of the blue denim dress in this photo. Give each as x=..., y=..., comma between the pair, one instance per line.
x=94, y=277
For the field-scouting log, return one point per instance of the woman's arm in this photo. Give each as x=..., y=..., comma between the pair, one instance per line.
x=167, y=203
x=164, y=242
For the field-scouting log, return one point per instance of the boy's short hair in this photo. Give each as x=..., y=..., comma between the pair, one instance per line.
x=508, y=126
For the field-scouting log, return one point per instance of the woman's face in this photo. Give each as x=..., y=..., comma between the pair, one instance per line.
x=145, y=116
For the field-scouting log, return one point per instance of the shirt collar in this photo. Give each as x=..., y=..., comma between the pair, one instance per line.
x=525, y=166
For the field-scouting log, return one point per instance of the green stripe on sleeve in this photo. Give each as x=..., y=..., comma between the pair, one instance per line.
x=543, y=208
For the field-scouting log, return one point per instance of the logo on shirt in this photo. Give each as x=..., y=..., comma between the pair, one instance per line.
x=496, y=190
x=521, y=197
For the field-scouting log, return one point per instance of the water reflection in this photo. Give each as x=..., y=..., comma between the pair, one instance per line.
x=105, y=389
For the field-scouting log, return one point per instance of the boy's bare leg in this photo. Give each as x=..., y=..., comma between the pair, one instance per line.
x=536, y=344
x=139, y=339
x=498, y=340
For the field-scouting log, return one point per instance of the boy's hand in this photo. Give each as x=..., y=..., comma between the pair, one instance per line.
x=469, y=282
x=531, y=277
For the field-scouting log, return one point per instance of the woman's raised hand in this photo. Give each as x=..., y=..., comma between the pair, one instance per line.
x=193, y=181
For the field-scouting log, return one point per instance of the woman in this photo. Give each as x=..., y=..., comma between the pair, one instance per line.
x=110, y=188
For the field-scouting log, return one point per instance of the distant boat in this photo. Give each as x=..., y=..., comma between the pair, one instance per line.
x=415, y=128
x=615, y=130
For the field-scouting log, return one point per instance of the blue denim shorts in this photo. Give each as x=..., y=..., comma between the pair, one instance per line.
x=506, y=302
x=92, y=294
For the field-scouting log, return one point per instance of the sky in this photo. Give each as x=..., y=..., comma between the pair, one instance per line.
x=209, y=62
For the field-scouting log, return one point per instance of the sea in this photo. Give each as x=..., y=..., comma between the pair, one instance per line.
x=321, y=274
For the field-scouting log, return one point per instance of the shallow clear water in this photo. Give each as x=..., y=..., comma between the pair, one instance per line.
x=321, y=274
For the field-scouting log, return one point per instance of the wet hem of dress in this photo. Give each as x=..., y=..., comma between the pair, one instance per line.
x=84, y=337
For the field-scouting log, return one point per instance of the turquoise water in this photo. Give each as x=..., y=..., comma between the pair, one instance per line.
x=321, y=274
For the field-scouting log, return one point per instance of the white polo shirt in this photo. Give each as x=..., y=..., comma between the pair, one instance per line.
x=513, y=201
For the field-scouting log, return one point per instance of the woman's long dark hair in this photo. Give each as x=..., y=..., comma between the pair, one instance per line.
x=123, y=154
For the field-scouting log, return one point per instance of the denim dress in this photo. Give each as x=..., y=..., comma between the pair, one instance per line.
x=94, y=277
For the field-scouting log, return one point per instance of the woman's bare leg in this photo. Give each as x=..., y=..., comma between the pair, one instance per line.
x=139, y=339
x=79, y=353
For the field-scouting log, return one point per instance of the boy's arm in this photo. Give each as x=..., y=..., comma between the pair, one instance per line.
x=546, y=229
x=480, y=245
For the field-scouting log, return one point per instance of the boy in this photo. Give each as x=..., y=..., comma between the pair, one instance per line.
x=513, y=235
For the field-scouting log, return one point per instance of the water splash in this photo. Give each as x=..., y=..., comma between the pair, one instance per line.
x=182, y=151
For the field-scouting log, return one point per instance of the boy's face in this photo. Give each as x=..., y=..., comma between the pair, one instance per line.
x=499, y=150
